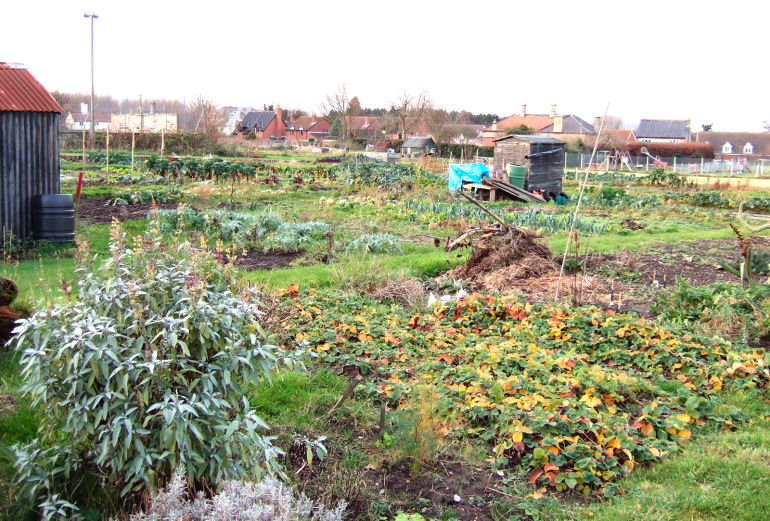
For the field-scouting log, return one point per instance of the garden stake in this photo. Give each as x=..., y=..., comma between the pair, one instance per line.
x=580, y=198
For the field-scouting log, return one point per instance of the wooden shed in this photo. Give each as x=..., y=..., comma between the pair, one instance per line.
x=29, y=148
x=542, y=156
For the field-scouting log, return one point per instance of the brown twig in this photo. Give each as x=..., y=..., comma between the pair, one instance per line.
x=474, y=201
x=353, y=383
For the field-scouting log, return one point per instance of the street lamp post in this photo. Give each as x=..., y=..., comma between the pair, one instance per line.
x=93, y=123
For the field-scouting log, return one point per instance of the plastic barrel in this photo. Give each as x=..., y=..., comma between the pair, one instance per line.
x=517, y=175
x=53, y=217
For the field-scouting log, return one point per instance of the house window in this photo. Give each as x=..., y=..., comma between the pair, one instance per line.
x=748, y=148
x=727, y=148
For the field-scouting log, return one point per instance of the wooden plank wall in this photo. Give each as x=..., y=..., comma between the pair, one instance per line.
x=29, y=165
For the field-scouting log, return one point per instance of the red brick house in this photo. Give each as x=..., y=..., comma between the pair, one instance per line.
x=305, y=128
x=266, y=124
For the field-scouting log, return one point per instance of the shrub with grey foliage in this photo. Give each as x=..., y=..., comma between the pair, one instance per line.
x=267, y=500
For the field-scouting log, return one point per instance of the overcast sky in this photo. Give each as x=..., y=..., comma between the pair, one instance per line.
x=704, y=61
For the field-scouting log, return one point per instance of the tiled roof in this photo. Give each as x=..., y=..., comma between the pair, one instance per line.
x=21, y=92
x=258, y=119
x=533, y=121
x=760, y=141
x=305, y=122
x=572, y=124
x=663, y=129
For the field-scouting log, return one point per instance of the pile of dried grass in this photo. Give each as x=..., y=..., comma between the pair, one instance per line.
x=402, y=289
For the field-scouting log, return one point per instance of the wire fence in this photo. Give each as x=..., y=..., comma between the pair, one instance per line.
x=604, y=161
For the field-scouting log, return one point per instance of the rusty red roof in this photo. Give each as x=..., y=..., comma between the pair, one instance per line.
x=21, y=92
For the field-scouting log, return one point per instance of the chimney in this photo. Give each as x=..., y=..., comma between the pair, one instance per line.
x=278, y=111
x=523, y=110
x=494, y=124
x=291, y=118
x=152, y=107
x=553, y=111
x=597, y=123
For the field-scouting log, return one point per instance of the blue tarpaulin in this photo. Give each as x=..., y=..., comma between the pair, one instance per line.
x=471, y=172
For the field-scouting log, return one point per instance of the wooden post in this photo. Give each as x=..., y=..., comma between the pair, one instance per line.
x=701, y=164
x=84, y=148
x=731, y=167
x=675, y=164
x=647, y=164
x=162, y=140
x=107, y=144
x=132, y=149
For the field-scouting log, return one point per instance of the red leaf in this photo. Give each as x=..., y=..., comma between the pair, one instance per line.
x=534, y=475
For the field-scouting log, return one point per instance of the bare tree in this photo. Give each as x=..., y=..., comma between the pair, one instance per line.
x=336, y=106
x=612, y=122
x=440, y=125
x=409, y=110
x=209, y=118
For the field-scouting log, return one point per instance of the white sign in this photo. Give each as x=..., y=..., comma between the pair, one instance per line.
x=84, y=108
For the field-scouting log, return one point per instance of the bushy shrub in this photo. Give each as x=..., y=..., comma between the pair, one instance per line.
x=267, y=500
x=142, y=373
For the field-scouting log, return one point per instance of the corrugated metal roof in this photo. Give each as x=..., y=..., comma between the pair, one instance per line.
x=21, y=92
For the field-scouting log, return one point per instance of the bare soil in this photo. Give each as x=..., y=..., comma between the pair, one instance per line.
x=94, y=210
x=256, y=260
x=475, y=487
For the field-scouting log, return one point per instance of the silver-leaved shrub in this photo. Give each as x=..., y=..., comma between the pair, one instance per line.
x=266, y=500
x=142, y=373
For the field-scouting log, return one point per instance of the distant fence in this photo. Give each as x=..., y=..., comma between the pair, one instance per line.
x=680, y=165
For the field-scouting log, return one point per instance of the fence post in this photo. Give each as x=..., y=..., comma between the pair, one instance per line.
x=675, y=164
x=731, y=167
x=581, y=160
x=132, y=150
x=701, y=164
x=107, y=144
x=647, y=164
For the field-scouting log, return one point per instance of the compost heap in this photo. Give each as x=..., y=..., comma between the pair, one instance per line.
x=518, y=263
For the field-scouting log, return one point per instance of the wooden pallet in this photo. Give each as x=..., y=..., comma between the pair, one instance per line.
x=513, y=191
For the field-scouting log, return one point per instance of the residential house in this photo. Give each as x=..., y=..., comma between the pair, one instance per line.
x=305, y=128
x=78, y=121
x=565, y=127
x=737, y=145
x=663, y=131
x=418, y=146
x=367, y=127
x=266, y=124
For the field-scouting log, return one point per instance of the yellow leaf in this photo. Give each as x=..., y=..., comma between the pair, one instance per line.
x=518, y=436
x=685, y=433
x=684, y=418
